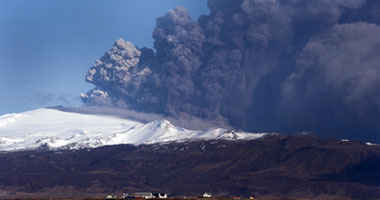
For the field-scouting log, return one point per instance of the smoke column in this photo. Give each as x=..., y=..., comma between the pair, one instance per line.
x=264, y=65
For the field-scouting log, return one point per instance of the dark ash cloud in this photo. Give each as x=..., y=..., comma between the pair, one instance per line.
x=336, y=82
x=264, y=65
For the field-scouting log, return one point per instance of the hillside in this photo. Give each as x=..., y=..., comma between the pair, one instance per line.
x=69, y=129
x=299, y=166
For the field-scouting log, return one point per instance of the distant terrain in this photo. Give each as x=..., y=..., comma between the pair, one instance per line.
x=275, y=166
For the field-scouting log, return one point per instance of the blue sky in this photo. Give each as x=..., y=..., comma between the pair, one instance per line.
x=47, y=46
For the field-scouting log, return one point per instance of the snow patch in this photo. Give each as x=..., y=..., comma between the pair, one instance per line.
x=8, y=118
x=55, y=129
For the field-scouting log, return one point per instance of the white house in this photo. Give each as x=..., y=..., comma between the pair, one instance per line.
x=207, y=195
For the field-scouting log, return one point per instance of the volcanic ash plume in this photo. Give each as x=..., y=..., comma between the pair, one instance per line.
x=264, y=65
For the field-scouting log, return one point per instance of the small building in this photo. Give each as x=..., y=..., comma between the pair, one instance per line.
x=127, y=196
x=143, y=195
x=160, y=195
x=207, y=195
x=111, y=197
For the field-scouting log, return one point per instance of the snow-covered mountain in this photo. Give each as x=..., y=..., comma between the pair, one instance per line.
x=54, y=129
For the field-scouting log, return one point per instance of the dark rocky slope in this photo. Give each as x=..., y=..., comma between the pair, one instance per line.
x=274, y=166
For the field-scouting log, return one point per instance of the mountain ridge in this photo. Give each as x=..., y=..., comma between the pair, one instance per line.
x=55, y=129
x=274, y=166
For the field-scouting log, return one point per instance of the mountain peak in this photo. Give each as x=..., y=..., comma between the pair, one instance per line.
x=57, y=129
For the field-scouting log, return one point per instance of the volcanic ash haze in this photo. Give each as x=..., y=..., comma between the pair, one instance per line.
x=265, y=65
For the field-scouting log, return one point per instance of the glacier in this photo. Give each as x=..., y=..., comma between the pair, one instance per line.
x=55, y=129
